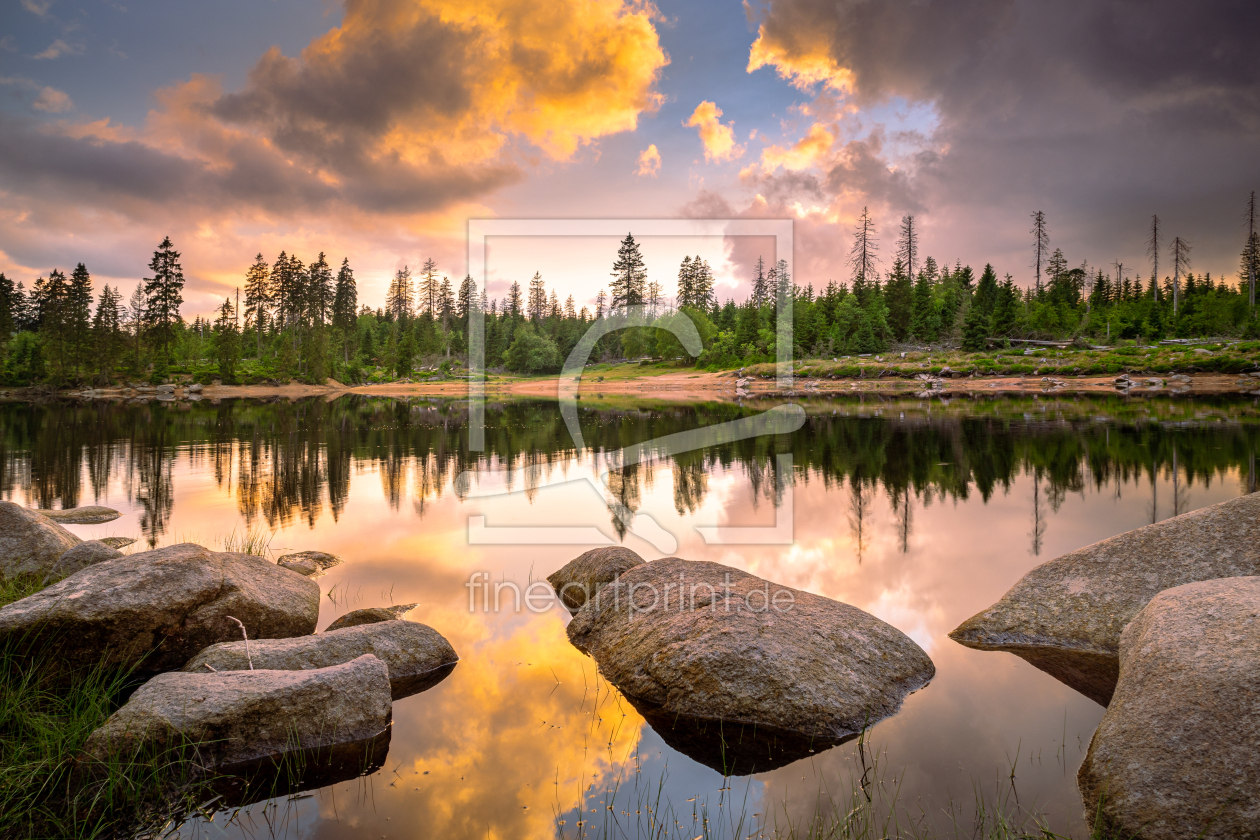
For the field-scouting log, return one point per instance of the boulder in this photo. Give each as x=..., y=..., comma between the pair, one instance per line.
x=156, y=609
x=581, y=578
x=370, y=615
x=309, y=563
x=240, y=717
x=87, y=515
x=1066, y=615
x=704, y=642
x=1176, y=756
x=117, y=542
x=30, y=543
x=418, y=657
x=83, y=555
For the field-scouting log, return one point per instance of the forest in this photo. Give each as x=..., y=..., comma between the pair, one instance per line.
x=295, y=321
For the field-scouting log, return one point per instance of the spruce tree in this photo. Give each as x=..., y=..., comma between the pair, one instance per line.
x=629, y=284
x=319, y=291
x=924, y=323
x=537, y=303
x=1006, y=310
x=78, y=315
x=52, y=324
x=345, y=304
x=164, y=292
x=10, y=316
x=513, y=304
x=446, y=301
x=899, y=295
x=760, y=286
x=428, y=288
x=399, y=298
x=107, y=333
x=257, y=298
x=227, y=341
x=467, y=298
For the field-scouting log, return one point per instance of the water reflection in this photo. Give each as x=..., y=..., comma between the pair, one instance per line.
x=946, y=507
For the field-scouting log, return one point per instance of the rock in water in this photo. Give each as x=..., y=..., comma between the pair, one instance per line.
x=117, y=542
x=739, y=650
x=418, y=657
x=30, y=543
x=581, y=578
x=242, y=716
x=1176, y=755
x=83, y=555
x=309, y=563
x=156, y=609
x=89, y=515
x=370, y=615
x=1066, y=615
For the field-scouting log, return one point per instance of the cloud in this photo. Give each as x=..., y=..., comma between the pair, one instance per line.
x=47, y=99
x=649, y=162
x=807, y=152
x=718, y=139
x=37, y=7
x=1100, y=114
x=59, y=48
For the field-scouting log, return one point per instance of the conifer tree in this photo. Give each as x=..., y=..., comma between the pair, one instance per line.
x=537, y=303
x=78, y=315
x=1006, y=310
x=863, y=256
x=227, y=340
x=257, y=298
x=164, y=293
x=446, y=301
x=601, y=301
x=319, y=291
x=908, y=246
x=429, y=288
x=514, y=303
x=399, y=298
x=107, y=333
x=10, y=310
x=54, y=294
x=345, y=304
x=899, y=295
x=924, y=324
x=1041, y=245
x=760, y=285
x=629, y=284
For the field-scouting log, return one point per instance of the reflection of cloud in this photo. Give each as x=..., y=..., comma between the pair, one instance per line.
x=718, y=139
x=649, y=162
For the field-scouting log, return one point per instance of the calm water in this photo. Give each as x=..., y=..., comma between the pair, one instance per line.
x=919, y=512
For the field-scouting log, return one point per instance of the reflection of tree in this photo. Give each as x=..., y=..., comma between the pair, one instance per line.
x=1181, y=495
x=859, y=499
x=153, y=470
x=903, y=515
x=1038, y=516
x=625, y=496
x=691, y=482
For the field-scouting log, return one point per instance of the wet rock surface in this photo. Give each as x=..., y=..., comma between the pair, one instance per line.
x=156, y=609
x=1065, y=616
x=88, y=515
x=370, y=615
x=309, y=563
x=417, y=656
x=243, y=716
x=30, y=543
x=742, y=650
x=1177, y=754
x=583, y=577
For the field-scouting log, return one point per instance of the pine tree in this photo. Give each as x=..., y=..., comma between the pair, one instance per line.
x=257, y=298
x=10, y=310
x=513, y=303
x=908, y=245
x=686, y=282
x=107, y=333
x=227, y=340
x=399, y=298
x=429, y=288
x=537, y=304
x=570, y=312
x=976, y=327
x=53, y=323
x=319, y=291
x=446, y=301
x=924, y=324
x=899, y=295
x=345, y=304
x=863, y=257
x=1181, y=262
x=1006, y=310
x=760, y=286
x=629, y=285
x=78, y=316
x=467, y=298
x=601, y=301
x=1041, y=244
x=164, y=292
x=986, y=292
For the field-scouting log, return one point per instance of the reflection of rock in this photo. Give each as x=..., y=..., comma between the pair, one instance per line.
x=309, y=563
x=1175, y=755
x=156, y=609
x=88, y=515
x=243, y=716
x=417, y=656
x=117, y=542
x=1065, y=616
x=83, y=555
x=582, y=577
x=30, y=543
x=733, y=749
x=370, y=615
x=740, y=649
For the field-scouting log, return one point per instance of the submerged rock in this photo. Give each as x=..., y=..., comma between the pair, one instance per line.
x=1065, y=616
x=418, y=657
x=156, y=609
x=239, y=717
x=30, y=543
x=1176, y=755
x=737, y=649
x=117, y=542
x=309, y=563
x=580, y=579
x=370, y=615
x=83, y=555
x=88, y=515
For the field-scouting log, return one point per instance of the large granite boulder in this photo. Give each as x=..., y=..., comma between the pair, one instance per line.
x=1065, y=616
x=83, y=555
x=1177, y=754
x=30, y=543
x=156, y=609
x=236, y=718
x=370, y=615
x=87, y=515
x=580, y=579
x=703, y=642
x=309, y=563
x=418, y=657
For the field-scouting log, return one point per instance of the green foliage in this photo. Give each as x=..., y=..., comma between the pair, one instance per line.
x=532, y=353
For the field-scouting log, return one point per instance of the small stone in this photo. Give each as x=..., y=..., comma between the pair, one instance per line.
x=118, y=542
x=309, y=563
x=580, y=579
x=370, y=615
x=87, y=515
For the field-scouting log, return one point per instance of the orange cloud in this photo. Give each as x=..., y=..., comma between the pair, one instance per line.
x=808, y=151
x=649, y=162
x=803, y=59
x=718, y=139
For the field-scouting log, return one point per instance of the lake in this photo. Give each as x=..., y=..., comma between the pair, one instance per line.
x=919, y=511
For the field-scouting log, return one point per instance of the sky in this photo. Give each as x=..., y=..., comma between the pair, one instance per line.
x=374, y=130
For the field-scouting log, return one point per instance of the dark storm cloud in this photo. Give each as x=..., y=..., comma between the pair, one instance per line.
x=1101, y=113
